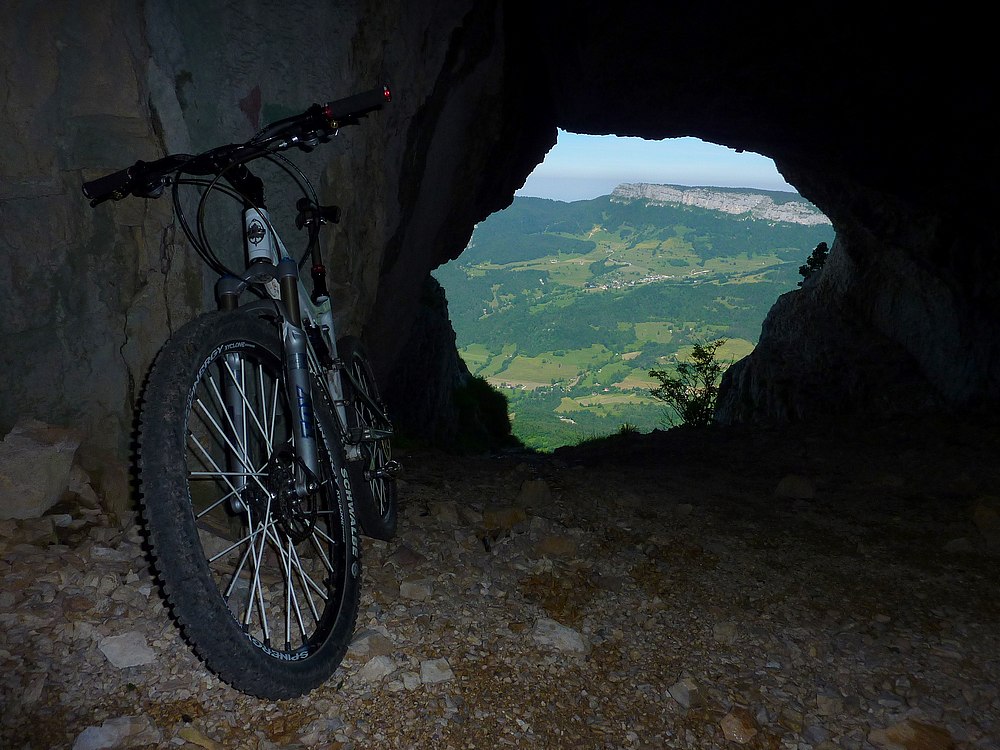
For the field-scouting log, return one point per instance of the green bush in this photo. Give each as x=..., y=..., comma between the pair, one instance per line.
x=483, y=420
x=814, y=262
x=693, y=388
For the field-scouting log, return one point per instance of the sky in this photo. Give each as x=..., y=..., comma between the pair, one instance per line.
x=580, y=167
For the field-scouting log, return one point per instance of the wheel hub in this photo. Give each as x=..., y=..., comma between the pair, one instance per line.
x=294, y=515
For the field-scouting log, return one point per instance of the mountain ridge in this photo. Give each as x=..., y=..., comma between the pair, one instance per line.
x=758, y=204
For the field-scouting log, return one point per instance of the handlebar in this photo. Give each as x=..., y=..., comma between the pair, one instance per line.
x=305, y=130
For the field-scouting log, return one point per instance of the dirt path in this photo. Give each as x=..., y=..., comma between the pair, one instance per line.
x=660, y=594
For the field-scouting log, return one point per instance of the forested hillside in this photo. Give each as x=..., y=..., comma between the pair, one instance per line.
x=565, y=307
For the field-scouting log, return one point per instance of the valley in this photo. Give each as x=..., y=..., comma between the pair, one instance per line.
x=565, y=307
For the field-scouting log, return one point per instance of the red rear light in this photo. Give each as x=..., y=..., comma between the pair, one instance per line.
x=386, y=94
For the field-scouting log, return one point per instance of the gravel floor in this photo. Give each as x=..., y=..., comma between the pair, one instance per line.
x=695, y=589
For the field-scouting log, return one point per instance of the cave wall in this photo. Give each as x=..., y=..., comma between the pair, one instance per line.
x=879, y=120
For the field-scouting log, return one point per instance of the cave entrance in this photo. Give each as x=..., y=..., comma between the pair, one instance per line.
x=617, y=256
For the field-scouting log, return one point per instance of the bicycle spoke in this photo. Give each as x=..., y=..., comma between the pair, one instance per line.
x=307, y=580
x=241, y=386
x=255, y=588
x=233, y=492
x=291, y=587
x=239, y=569
x=238, y=452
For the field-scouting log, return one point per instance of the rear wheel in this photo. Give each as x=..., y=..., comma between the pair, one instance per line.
x=263, y=581
x=372, y=472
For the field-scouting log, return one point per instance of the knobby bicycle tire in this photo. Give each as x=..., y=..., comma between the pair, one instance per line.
x=374, y=491
x=264, y=586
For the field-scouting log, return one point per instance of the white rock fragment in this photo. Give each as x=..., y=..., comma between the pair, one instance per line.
x=377, y=668
x=321, y=731
x=127, y=650
x=411, y=680
x=435, y=670
x=124, y=731
x=554, y=635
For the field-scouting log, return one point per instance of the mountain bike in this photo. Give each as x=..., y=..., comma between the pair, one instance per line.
x=263, y=441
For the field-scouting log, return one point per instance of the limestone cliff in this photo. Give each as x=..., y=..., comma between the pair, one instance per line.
x=737, y=202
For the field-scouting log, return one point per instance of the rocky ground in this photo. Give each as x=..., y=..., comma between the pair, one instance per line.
x=813, y=589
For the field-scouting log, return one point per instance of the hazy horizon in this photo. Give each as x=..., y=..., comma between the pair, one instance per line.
x=582, y=167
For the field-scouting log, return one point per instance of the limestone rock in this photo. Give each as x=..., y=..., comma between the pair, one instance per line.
x=739, y=726
x=79, y=485
x=40, y=531
x=687, y=692
x=418, y=589
x=555, y=545
x=320, y=730
x=405, y=558
x=124, y=731
x=433, y=671
x=196, y=737
x=376, y=668
x=911, y=734
x=758, y=206
x=930, y=303
x=725, y=632
x=127, y=650
x=552, y=634
x=35, y=463
x=368, y=644
x=445, y=511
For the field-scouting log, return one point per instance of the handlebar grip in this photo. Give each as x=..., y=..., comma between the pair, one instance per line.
x=357, y=105
x=109, y=186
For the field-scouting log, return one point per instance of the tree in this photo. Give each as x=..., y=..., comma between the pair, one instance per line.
x=693, y=388
x=814, y=262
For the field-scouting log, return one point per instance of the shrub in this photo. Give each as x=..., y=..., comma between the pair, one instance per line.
x=693, y=388
x=814, y=262
x=483, y=420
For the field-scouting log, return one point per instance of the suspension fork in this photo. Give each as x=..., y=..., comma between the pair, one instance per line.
x=299, y=381
x=233, y=390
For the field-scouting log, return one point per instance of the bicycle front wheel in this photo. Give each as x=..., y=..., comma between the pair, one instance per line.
x=263, y=581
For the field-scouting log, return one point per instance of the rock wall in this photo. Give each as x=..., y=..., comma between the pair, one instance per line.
x=91, y=87
x=93, y=293
x=87, y=294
